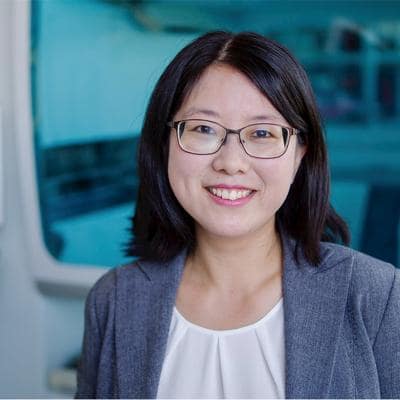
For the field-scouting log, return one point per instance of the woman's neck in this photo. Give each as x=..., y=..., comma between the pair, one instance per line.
x=236, y=264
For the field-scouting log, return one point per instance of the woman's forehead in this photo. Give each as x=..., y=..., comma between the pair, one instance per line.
x=223, y=91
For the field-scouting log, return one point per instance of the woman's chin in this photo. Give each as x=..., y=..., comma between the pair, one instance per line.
x=231, y=230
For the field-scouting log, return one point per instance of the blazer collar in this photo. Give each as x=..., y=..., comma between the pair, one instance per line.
x=314, y=301
x=145, y=299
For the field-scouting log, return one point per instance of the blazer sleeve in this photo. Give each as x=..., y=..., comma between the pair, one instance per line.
x=89, y=360
x=387, y=344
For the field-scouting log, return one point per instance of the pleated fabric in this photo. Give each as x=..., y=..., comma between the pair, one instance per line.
x=247, y=362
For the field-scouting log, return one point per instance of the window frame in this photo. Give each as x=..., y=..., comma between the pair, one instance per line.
x=50, y=275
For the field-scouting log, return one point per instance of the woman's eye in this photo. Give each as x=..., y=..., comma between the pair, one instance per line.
x=261, y=133
x=204, y=129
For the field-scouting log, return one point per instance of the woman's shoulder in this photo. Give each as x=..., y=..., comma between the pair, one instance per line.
x=134, y=279
x=365, y=268
x=372, y=281
x=103, y=292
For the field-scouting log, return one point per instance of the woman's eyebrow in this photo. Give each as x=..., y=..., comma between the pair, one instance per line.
x=211, y=113
x=194, y=110
x=265, y=118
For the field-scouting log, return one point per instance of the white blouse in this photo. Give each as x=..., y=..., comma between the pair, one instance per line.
x=247, y=362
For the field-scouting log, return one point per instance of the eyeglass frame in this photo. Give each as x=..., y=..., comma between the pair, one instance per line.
x=175, y=125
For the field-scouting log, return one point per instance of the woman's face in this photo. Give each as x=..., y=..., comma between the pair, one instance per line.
x=226, y=96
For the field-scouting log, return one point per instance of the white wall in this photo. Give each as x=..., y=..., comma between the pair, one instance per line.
x=21, y=308
x=37, y=333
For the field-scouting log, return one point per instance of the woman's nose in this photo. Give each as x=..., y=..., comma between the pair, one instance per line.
x=231, y=157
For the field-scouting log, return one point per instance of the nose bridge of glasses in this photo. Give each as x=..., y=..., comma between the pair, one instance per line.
x=231, y=132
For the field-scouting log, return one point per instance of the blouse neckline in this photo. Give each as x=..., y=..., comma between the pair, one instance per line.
x=221, y=332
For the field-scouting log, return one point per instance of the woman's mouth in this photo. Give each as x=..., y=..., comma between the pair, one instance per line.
x=229, y=194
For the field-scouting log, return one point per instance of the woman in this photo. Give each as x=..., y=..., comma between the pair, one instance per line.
x=239, y=290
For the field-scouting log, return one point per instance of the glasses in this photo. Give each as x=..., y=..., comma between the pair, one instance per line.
x=262, y=140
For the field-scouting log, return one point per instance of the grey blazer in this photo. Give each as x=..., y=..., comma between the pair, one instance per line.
x=342, y=327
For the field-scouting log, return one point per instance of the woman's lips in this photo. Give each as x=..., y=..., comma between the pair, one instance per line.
x=230, y=195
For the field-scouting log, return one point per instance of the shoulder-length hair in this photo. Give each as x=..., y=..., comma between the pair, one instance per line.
x=161, y=228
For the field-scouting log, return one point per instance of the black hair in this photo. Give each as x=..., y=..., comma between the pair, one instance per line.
x=161, y=228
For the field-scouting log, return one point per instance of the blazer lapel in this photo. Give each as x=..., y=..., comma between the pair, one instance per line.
x=314, y=305
x=144, y=312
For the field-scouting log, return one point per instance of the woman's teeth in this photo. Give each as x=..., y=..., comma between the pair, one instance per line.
x=229, y=194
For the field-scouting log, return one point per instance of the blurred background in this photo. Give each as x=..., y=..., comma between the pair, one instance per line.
x=75, y=79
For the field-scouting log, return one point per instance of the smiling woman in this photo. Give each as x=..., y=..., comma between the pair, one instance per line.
x=238, y=267
x=284, y=98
